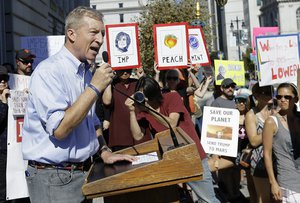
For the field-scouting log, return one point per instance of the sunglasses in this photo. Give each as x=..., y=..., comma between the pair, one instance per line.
x=5, y=78
x=172, y=78
x=227, y=86
x=240, y=100
x=286, y=97
x=26, y=62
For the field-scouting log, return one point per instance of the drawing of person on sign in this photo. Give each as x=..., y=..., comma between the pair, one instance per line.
x=122, y=41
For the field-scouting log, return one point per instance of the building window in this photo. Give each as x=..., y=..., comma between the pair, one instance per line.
x=121, y=18
x=298, y=19
x=120, y=5
x=94, y=6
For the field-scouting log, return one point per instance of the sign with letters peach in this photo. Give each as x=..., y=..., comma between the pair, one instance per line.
x=278, y=58
x=171, y=45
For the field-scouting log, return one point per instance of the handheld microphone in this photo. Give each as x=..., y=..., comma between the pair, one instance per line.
x=139, y=98
x=105, y=56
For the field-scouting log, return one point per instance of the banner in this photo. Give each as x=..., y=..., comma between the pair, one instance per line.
x=263, y=31
x=123, y=46
x=278, y=58
x=15, y=175
x=220, y=131
x=198, y=50
x=42, y=46
x=230, y=69
x=171, y=45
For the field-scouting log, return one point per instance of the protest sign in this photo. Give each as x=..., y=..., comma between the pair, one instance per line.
x=42, y=46
x=123, y=46
x=15, y=175
x=171, y=45
x=262, y=31
x=230, y=69
x=220, y=131
x=198, y=50
x=277, y=58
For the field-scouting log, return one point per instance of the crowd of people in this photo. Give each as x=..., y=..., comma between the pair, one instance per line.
x=78, y=113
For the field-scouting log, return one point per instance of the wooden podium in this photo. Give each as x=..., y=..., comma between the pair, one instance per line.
x=149, y=182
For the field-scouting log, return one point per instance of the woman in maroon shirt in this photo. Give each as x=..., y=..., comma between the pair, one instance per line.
x=171, y=106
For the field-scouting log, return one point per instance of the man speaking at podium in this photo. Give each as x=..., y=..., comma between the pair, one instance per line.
x=169, y=106
x=60, y=127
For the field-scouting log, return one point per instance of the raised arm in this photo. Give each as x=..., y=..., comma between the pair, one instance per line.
x=251, y=128
x=78, y=111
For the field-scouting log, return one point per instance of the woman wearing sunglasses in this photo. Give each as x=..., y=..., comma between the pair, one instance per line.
x=254, y=123
x=281, y=135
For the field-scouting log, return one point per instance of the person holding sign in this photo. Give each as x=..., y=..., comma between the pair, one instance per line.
x=170, y=106
x=281, y=135
x=4, y=93
x=60, y=126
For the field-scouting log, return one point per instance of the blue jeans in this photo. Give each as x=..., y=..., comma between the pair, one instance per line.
x=54, y=185
x=204, y=188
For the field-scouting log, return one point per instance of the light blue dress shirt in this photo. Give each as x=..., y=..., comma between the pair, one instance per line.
x=55, y=85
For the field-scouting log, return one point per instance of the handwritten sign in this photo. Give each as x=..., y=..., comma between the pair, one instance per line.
x=220, y=131
x=42, y=46
x=19, y=102
x=278, y=58
x=230, y=69
x=171, y=45
x=15, y=177
x=198, y=50
x=123, y=46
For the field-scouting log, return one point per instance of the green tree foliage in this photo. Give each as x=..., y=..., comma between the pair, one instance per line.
x=166, y=11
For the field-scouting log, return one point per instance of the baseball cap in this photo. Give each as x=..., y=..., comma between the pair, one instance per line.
x=24, y=54
x=243, y=93
x=227, y=81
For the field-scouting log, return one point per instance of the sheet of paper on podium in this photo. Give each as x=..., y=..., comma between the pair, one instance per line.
x=146, y=158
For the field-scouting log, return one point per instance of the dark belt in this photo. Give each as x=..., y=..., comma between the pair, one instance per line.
x=83, y=166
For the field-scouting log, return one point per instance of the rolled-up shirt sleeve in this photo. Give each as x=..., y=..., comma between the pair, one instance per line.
x=49, y=98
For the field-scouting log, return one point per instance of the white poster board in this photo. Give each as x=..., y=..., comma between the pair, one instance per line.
x=171, y=45
x=42, y=46
x=278, y=58
x=198, y=50
x=15, y=175
x=220, y=131
x=123, y=46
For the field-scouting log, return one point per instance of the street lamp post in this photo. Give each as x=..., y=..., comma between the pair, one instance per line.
x=237, y=20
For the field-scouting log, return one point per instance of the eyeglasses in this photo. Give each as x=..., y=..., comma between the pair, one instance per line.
x=5, y=78
x=286, y=97
x=172, y=78
x=240, y=100
x=227, y=86
x=26, y=62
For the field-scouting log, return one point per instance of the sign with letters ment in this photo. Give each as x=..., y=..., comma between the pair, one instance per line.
x=171, y=45
x=123, y=46
x=220, y=131
x=278, y=58
x=198, y=50
x=42, y=46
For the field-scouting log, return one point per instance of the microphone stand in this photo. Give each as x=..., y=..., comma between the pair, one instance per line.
x=172, y=133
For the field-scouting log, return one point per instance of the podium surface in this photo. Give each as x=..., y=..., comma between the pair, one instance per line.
x=177, y=165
